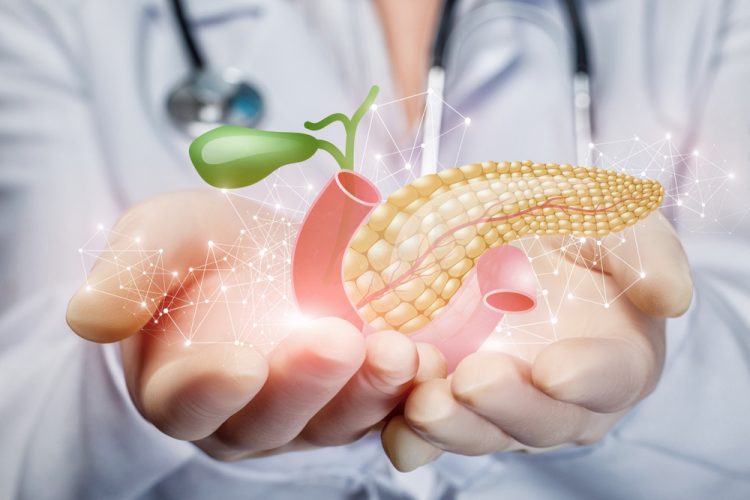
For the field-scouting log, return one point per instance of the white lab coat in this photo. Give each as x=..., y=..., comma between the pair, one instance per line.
x=84, y=134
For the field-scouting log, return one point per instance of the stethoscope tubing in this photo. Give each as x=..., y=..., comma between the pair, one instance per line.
x=583, y=111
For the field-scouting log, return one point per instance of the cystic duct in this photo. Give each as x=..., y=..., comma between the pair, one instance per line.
x=433, y=260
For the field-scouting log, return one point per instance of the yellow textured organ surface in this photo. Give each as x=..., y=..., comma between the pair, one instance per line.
x=404, y=265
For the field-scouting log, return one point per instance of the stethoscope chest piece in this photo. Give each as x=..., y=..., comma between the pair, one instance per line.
x=207, y=98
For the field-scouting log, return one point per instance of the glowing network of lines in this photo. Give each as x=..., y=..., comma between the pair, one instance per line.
x=240, y=291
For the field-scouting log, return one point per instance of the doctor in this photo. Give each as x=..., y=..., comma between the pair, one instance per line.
x=85, y=138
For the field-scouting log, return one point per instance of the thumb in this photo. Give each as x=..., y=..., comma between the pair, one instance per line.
x=651, y=267
x=149, y=256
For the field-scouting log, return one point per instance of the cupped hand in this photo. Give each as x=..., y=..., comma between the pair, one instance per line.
x=323, y=384
x=604, y=359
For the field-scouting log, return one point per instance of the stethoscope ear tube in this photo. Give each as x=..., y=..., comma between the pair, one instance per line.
x=582, y=115
x=583, y=112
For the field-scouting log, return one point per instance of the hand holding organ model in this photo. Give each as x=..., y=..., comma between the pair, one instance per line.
x=434, y=260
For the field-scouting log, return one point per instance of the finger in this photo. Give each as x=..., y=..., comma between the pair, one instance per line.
x=188, y=389
x=605, y=375
x=188, y=392
x=431, y=363
x=305, y=372
x=498, y=387
x=179, y=224
x=406, y=449
x=651, y=266
x=390, y=365
x=432, y=411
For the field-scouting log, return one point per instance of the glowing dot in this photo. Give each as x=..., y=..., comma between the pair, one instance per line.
x=591, y=145
x=244, y=302
x=309, y=187
x=165, y=310
x=223, y=191
x=637, y=138
x=423, y=145
x=606, y=305
x=80, y=250
x=643, y=275
x=582, y=239
x=407, y=166
x=429, y=91
x=127, y=268
x=143, y=304
x=161, y=250
x=278, y=205
x=571, y=296
x=223, y=288
x=190, y=269
x=545, y=292
x=236, y=342
x=668, y=136
x=210, y=244
x=100, y=227
x=703, y=216
x=553, y=321
x=598, y=243
x=555, y=272
x=270, y=278
x=467, y=121
x=374, y=107
x=174, y=274
x=679, y=203
x=188, y=343
x=378, y=156
x=731, y=175
x=696, y=153
x=88, y=288
x=137, y=239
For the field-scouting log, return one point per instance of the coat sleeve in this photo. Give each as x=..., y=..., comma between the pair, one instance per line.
x=698, y=414
x=67, y=428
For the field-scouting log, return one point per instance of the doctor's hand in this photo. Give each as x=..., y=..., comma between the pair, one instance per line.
x=324, y=384
x=572, y=391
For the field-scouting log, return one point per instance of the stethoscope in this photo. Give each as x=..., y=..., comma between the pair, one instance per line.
x=207, y=98
x=582, y=106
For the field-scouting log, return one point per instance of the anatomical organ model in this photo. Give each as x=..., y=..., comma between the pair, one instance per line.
x=434, y=260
